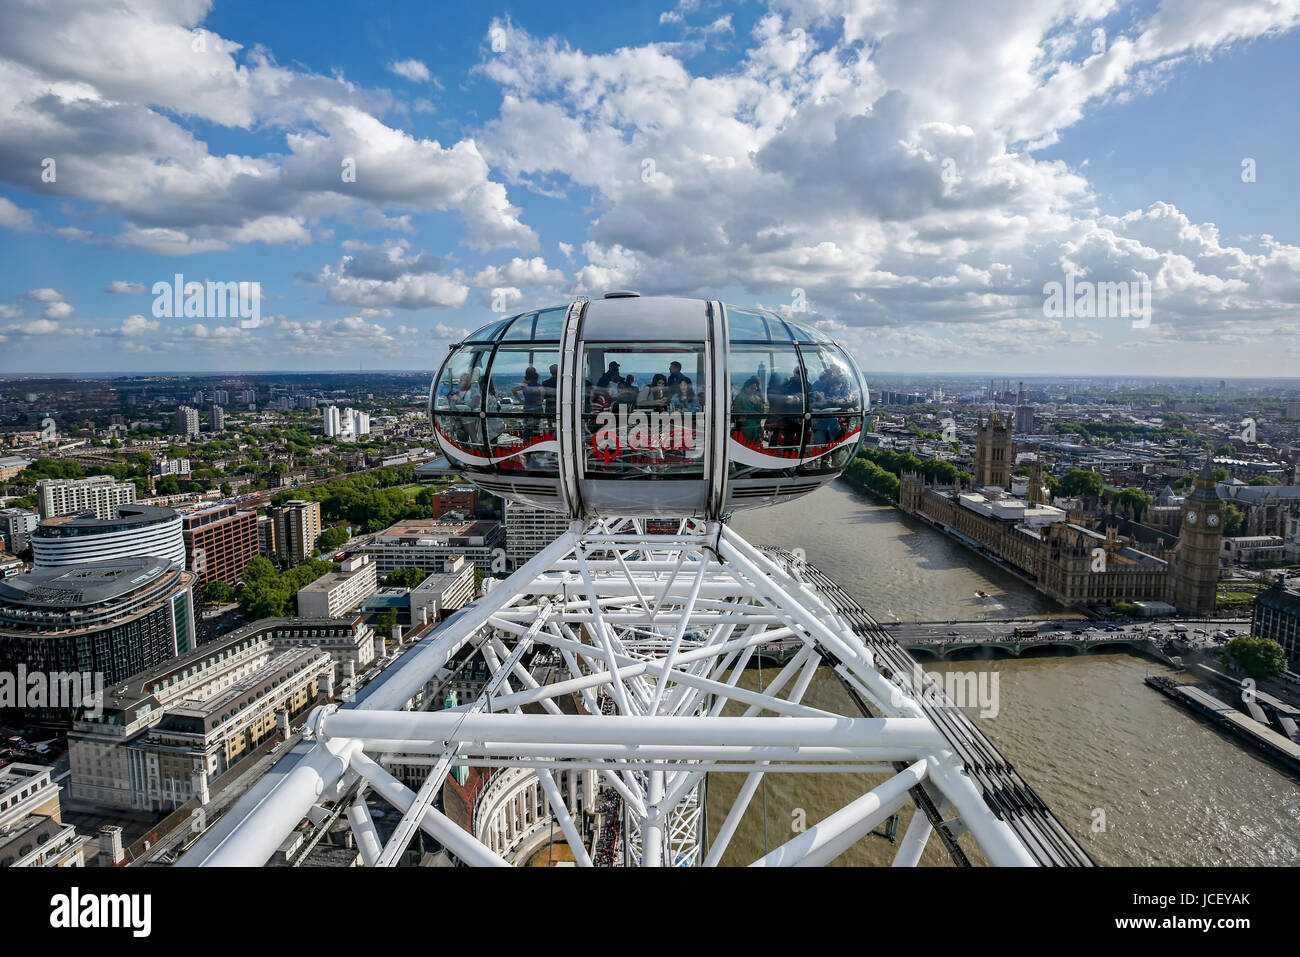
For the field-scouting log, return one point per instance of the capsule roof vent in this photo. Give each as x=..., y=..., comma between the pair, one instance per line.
x=623, y=294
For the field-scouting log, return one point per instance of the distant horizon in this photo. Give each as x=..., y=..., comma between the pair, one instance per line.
x=867, y=373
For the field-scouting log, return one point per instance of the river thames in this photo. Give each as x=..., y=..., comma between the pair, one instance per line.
x=1138, y=780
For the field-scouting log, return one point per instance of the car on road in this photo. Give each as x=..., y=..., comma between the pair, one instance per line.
x=954, y=634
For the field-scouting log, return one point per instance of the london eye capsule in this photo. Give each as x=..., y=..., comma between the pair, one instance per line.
x=648, y=407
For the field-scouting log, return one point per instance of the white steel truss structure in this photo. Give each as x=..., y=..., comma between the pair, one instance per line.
x=645, y=638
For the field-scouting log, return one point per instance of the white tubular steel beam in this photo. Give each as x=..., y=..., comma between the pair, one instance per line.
x=434, y=823
x=363, y=829
x=555, y=800
x=915, y=838
x=625, y=752
x=620, y=729
x=266, y=818
x=828, y=839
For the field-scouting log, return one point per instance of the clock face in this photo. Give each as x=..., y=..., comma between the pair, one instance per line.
x=1212, y=520
x=1191, y=518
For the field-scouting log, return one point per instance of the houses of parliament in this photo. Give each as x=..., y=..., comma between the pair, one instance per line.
x=1074, y=558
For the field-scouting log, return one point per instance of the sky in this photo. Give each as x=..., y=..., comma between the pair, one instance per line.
x=912, y=176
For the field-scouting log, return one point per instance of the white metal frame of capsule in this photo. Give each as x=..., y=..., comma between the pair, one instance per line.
x=576, y=443
x=662, y=625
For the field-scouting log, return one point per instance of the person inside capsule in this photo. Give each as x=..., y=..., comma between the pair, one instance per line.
x=685, y=400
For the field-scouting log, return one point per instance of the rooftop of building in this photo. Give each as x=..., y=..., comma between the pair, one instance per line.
x=333, y=579
x=63, y=586
x=20, y=775
x=90, y=480
x=281, y=663
x=449, y=526
x=199, y=516
x=86, y=522
x=1285, y=593
x=144, y=685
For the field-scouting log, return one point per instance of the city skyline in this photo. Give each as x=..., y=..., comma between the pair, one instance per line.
x=917, y=182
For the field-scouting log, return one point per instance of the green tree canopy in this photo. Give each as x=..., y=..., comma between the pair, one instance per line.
x=268, y=593
x=406, y=577
x=1234, y=520
x=1260, y=658
x=1082, y=482
x=1135, y=500
x=218, y=593
x=334, y=536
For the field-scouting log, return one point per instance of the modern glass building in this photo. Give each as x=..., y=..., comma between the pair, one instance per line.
x=110, y=619
x=647, y=407
x=133, y=530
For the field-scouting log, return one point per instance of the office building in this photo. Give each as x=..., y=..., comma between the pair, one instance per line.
x=336, y=592
x=133, y=530
x=220, y=542
x=1276, y=616
x=297, y=527
x=348, y=639
x=1024, y=423
x=32, y=832
x=16, y=524
x=443, y=592
x=164, y=735
x=187, y=421
x=428, y=543
x=457, y=498
x=529, y=530
x=101, y=494
x=113, y=618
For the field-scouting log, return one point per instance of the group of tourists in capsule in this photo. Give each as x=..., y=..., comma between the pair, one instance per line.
x=649, y=406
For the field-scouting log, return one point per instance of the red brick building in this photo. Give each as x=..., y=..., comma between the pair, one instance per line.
x=458, y=498
x=227, y=538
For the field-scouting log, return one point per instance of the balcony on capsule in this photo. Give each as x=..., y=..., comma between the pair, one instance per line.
x=648, y=407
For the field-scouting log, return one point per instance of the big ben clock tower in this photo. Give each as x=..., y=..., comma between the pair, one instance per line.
x=1196, y=575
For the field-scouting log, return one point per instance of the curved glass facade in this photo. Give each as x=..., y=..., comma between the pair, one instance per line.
x=657, y=407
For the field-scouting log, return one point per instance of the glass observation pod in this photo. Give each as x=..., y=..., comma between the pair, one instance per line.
x=648, y=407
